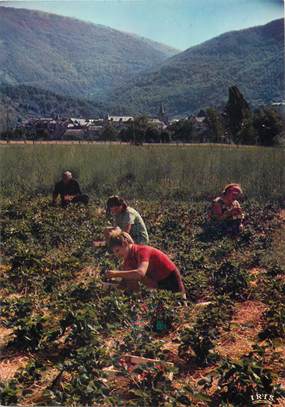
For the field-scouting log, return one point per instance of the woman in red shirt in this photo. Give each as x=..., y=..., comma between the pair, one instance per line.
x=146, y=264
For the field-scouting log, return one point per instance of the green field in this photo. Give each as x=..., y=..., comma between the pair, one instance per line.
x=59, y=330
x=167, y=171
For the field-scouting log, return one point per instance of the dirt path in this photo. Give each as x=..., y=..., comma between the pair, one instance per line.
x=244, y=327
x=10, y=365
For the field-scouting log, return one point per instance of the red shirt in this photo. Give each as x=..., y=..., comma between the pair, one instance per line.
x=160, y=266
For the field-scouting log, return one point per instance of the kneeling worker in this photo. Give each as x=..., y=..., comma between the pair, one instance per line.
x=146, y=264
x=225, y=211
x=69, y=191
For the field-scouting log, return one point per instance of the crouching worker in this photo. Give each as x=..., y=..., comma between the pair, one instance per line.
x=225, y=211
x=69, y=191
x=125, y=218
x=144, y=264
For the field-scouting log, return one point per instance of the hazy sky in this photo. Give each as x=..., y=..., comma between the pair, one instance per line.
x=179, y=23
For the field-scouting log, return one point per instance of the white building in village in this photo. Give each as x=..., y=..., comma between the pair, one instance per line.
x=280, y=107
x=120, y=119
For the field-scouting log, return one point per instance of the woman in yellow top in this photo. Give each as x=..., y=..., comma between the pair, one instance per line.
x=226, y=211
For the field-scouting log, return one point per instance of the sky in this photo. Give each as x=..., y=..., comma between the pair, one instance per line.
x=178, y=23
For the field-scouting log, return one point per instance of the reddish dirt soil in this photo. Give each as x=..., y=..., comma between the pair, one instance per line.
x=244, y=327
x=10, y=365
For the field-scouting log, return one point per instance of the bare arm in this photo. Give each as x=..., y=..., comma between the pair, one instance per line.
x=217, y=210
x=69, y=198
x=136, y=274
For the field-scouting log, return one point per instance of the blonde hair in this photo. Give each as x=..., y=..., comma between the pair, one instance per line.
x=117, y=231
x=118, y=238
x=233, y=185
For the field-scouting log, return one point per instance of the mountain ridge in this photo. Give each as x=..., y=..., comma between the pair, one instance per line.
x=123, y=73
x=68, y=55
x=252, y=59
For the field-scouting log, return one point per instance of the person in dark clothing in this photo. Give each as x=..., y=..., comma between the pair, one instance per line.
x=69, y=191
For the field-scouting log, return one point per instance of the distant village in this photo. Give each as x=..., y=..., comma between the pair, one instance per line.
x=74, y=127
x=109, y=127
x=236, y=124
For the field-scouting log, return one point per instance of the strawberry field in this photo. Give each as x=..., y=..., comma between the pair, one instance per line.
x=68, y=340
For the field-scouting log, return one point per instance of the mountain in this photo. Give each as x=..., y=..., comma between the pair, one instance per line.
x=125, y=74
x=68, y=56
x=252, y=59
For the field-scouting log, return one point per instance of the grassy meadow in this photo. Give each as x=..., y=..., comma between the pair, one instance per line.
x=166, y=171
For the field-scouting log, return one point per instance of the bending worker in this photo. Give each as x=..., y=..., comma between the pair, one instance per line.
x=146, y=264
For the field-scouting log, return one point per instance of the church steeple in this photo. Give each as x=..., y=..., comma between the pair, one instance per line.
x=161, y=110
x=162, y=114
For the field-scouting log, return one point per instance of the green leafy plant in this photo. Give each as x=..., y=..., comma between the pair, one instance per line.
x=28, y=333
x=87, y=383
x=82, y=324
x=229, y=279
x=149, y=385
x=14, y=310
x=200, y=338
x=9, y=393
x=238, y=381
x=162, y=310
x=144, y=344
x=274, y=325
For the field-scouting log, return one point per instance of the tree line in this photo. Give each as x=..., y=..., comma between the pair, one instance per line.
x=235, y=123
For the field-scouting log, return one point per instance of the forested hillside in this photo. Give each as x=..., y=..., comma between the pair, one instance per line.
x=70, y=56
x=252, y=59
